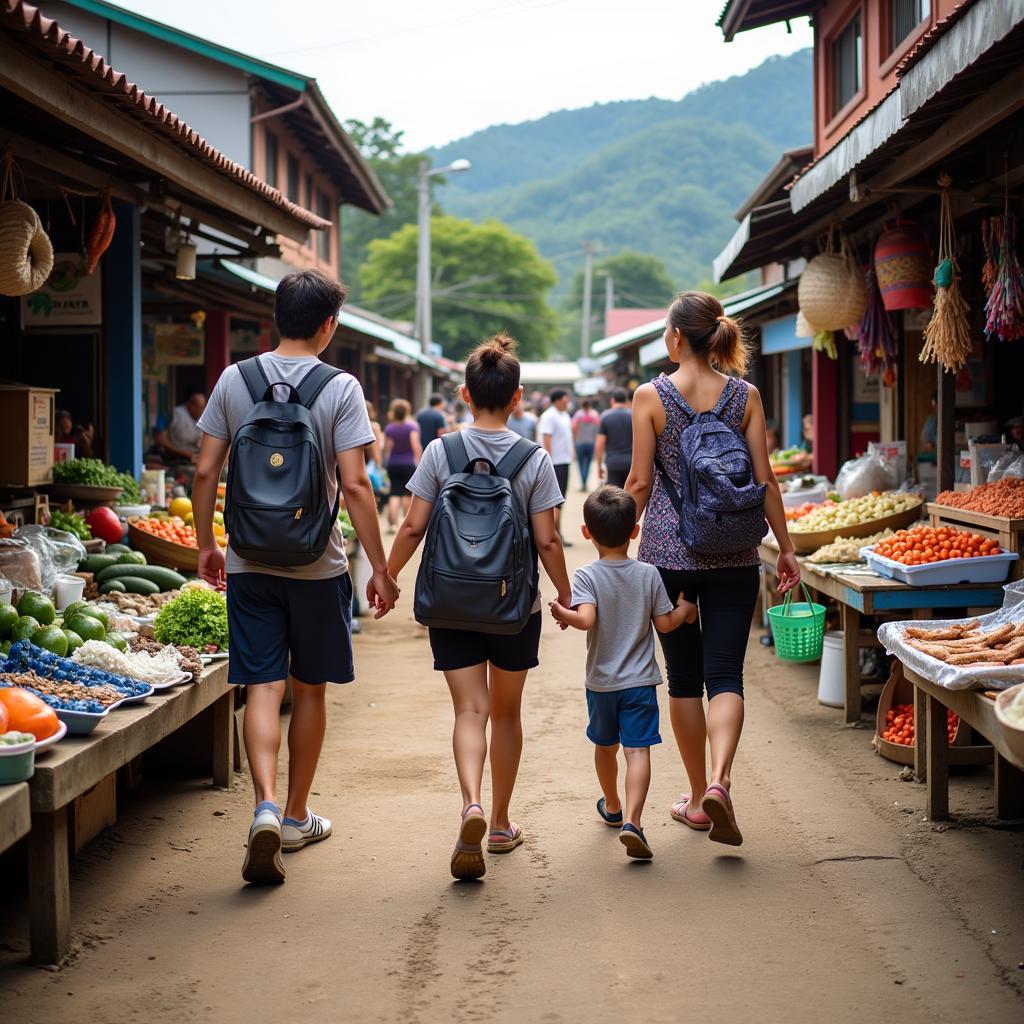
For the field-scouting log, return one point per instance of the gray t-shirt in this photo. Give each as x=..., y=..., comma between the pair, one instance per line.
x=617, y=426
x=524, y=426
x=534, y=486
x=620, y=646
x=339, y=414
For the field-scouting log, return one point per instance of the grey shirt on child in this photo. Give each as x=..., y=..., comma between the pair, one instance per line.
x=620, y=645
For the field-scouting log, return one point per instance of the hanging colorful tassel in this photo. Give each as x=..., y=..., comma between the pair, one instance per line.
x=1005, y=307
x=947, y=338
x=990, y=243
x=876, y=339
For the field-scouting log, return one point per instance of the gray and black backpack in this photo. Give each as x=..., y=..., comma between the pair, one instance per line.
x=276, y=511
x=479, y=566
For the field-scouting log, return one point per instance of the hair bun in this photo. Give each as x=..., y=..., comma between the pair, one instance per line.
x=495, y=349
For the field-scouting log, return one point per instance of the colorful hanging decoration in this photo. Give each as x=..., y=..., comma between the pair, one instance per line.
x=1004, y=311
x=903, y=263
x=990, y=243
x=947, y=338
x=825, y=341
x=877, y=341
x=101, y=234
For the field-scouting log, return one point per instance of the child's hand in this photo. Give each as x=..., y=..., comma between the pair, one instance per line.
x=558, y=614
x=690, y=614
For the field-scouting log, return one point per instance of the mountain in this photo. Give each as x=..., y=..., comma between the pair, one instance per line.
x=659, y=176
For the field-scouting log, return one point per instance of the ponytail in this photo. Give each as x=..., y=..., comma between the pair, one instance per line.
x=700, y=319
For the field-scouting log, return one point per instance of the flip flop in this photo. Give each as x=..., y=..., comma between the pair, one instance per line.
x=467, y=863
x=635, y=842
x=615, y=820
x=717, y=805
x=505, y=840
x=696, y=819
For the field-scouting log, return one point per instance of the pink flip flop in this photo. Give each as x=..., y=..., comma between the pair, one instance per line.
x=696, y=819
x=717, y=805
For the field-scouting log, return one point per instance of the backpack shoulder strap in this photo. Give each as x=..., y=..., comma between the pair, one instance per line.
x=455, y=449
x=314, y=382
x=515, y=458
x=255, y=377
x=724, y=397
x=673, y=394
x=670, y=488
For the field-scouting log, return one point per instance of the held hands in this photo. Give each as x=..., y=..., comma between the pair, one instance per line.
x=560, y=613
x=382, y=593
x=689, y=610
x=211, y=567
x=788, y=570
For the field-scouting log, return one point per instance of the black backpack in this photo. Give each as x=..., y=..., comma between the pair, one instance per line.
x=479, y=566
x=276, y=511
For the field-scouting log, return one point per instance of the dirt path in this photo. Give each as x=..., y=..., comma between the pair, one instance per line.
x=843, y=903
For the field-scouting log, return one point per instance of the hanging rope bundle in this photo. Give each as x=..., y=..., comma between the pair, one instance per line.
x=990, y=243
x=1004, y=310
x=947, y=338
x=877, y=342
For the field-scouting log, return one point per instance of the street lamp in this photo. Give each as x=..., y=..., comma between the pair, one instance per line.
x=423, y=325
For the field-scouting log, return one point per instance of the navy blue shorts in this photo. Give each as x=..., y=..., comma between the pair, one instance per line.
x=629, y=717
x=279, y=626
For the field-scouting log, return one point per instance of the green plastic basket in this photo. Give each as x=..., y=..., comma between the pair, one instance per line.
x=798, y=628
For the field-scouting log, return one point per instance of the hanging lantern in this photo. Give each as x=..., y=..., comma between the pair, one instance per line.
x=903, y=264
x=185, y=263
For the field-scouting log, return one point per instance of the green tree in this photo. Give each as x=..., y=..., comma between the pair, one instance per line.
x=486, y=278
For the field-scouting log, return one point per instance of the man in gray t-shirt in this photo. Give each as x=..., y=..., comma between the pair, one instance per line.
x=614, y=451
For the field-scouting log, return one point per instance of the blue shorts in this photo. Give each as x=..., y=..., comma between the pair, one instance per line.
x=629, y=717
x=279, y=626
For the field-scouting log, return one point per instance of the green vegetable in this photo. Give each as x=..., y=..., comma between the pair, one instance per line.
x=165, y=579
x=12, y=739
x=114, y=586
x=347, y=529
x=116, y=549
x=131, y=558
x=136, y=585
x=96, y=473
x=74, y=641
x=117, y=641
x=94, y=563
x=71, y=522
x=197, y=617
x=86, y=627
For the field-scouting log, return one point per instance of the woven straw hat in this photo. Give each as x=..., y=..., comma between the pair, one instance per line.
x=832, y=292
x=26, y=255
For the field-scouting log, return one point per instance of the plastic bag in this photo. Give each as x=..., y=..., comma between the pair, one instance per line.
x=1000, y=466
x=1016, y=468
x=866, y=474
x=19, y=563
x=58, y=552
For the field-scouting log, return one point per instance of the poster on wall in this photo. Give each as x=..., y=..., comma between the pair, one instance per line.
x=178, y=345
x=70, y=298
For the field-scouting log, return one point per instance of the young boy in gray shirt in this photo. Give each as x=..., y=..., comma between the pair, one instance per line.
x=615, y=599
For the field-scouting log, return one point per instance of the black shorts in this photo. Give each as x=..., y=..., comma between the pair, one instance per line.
x=617, y=477
x=562, y=476
x=282, y=626
x=400, y=477
x=460, y=648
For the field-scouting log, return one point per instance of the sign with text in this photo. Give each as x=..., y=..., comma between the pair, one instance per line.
x=178, y=345
x=70, y=298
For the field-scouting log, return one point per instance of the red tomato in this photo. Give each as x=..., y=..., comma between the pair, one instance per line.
x=104, y=524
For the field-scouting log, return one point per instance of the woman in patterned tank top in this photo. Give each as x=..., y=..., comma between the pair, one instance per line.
x=706, y=344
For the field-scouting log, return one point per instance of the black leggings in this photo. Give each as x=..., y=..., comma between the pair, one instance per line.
x=710, y=651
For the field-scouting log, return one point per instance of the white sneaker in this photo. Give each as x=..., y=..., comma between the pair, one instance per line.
x=297, y=834
x=263, y=863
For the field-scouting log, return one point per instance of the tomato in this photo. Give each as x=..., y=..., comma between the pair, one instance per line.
x=4, y=719
x=27, y=713
x=105, y=524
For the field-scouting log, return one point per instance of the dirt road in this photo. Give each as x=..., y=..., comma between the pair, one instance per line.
x=843, y=904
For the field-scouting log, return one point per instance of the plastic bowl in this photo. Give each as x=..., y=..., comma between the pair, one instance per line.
x=17, y=762
x=1012, y=733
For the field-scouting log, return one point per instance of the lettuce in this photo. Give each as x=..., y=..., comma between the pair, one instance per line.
x=195, y=618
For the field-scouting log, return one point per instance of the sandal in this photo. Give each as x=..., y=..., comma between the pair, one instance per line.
x=609, y=818
x=717, y=805
x=505, y=840
x=696, y=819
x=467, y=861
x=635, y=842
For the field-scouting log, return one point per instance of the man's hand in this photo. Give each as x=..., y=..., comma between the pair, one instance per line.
x=211, y=567
x=382, y=593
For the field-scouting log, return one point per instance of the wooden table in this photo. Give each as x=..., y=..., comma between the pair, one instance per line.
x=78, y=763
x=14, y=814
x=860, y=595
x=931, y=755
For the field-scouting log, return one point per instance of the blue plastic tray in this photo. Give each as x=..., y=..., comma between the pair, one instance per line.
x=984, y=569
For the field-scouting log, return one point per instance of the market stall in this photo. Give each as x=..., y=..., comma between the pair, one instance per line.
x=15, y=816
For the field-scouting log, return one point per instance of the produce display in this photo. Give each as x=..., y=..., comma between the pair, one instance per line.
x=27, y=712
x=106, y=524
x=26, y=657
x=964, y=643
x=62, y=695
x=846, y=549
x=806, y=509
x=899, y=720
x=188, y=658
x=15, y=739
x=922, y=545
x=165, y=579
x=141, y=605
x=71, y=522
x=175, y=530
x=197, y=617
x=96, y=473
x=856, y=511
x=1004, y=498
x=344, y=523
x=158, y=669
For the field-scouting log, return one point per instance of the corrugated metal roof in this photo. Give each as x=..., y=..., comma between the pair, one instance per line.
x=925, y=43
x=96, y=74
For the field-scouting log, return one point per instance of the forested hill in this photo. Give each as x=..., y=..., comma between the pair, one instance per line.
x=658, y=176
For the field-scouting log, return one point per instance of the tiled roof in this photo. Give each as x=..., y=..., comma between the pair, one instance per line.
x=97, y=75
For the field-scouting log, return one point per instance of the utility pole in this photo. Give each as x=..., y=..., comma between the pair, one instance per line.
x=423, y=303
x=609, y=300
x=588, y=283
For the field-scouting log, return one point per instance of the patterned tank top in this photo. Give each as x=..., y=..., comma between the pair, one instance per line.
x=659, y=539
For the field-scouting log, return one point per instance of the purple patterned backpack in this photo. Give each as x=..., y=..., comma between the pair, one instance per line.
x=720, y=504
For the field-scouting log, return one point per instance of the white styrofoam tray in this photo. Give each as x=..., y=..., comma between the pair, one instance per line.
x=983, y=569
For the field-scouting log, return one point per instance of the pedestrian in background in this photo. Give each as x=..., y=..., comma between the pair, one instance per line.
x=523, y=422
x=613, y=450
x=584, y=431
x=431, y=420
x=555, y=426
x=402, y=451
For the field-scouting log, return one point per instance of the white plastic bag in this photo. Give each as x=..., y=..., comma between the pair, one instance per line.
x=59, y=552
x=1015, y=468
x=863, y=475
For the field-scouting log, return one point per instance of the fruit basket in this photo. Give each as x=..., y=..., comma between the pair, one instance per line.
x=807, y=543
x=163, y=552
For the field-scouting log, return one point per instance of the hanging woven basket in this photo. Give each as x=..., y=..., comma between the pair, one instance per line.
x=832, y=293
x=903, y=265
x=26, y=255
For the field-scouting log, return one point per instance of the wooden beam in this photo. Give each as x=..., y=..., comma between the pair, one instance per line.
x=57, y=94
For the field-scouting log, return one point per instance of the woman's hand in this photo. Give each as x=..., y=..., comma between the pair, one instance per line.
x=788, y=570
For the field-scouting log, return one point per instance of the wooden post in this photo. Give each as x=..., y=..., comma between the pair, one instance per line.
x=218, y=346
x=49, y=887
x=920, y=734
x=937, y=745
x=825, y=407
x=1009, y=789
x=223, y=740
x=945, y=416
x=851, y=654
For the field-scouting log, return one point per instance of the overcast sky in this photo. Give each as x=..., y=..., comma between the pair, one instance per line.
x=444, y=69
